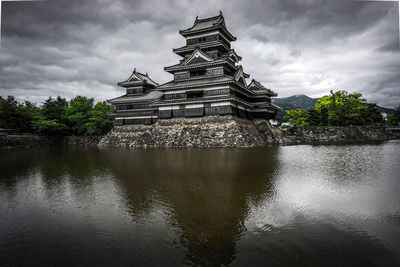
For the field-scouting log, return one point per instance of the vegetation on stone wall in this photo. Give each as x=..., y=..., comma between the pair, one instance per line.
x=337, y=109
x=56, y=116
x=394, y=119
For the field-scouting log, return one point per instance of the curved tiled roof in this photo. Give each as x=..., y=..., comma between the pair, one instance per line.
x=200, y=81
x=201, y=25
x=151, y=96
x=137, y=77
x=260, y=88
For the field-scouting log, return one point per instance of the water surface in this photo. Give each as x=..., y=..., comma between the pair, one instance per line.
x=292, y=206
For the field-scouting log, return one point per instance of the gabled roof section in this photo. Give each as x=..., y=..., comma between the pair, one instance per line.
x=205, y=23
x=257, y=86
x=151, y=96
x=138, y=78
x=232, y=54
x=200, y=65
x=196, y=57
x=240, y=76
x=188, y=48
x=195, y=83
x=211, y=23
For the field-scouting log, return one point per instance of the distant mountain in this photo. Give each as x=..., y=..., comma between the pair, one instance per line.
x=386, y=110
x=305, y=102
x=294, y=102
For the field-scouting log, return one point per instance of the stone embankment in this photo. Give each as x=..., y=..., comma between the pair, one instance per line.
x=34, y=141
x=213, y=131
x=323, y=135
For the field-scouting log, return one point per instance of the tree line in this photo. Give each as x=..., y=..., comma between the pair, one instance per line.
x=341, y=108
x=56, y=116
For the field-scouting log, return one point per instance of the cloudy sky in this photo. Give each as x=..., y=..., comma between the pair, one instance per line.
x=84, y=47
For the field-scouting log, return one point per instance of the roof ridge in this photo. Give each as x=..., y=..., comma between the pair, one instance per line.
x=190, y=57
x=142, y=74
x=261, y=86
x=209, y=18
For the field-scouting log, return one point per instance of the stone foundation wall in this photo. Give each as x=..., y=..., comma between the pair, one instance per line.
x=85, y=141
x=310, y=135
x=211, y=131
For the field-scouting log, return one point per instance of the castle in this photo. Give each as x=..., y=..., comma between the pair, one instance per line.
x=207, y=81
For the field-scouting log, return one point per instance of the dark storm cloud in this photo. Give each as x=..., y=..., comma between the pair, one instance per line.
x=293, y=46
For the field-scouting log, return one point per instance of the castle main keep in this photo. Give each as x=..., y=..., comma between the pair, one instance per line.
x=208, y=81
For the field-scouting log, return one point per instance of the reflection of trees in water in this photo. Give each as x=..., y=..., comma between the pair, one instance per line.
x=54, y=166
x=207, y=192
x=53, y=163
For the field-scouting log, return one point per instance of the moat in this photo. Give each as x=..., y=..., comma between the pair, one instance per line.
x=334, y=205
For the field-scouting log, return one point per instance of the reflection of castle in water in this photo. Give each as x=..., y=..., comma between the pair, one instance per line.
x=158, y=207
x=207, y=193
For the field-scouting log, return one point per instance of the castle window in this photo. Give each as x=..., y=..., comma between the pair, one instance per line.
x=194, y=94
x=181, y=76
x=214, y=72
x=198, y=73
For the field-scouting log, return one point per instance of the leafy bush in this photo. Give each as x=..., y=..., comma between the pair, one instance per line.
x=337, y=109
x=56, y=117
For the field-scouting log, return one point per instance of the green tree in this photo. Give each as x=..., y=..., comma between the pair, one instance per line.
x=297, y=117
x=55, y=109
x=324, y=117
x=99, y=122
x=15, y=116
x=371, y=114
x=345, y=109
x=333, y=118
x=314, y=117
x=394, y=119
x=56, y=116
x=338, y=109
x=52, y=118
x=78, y=114
x=44, y=126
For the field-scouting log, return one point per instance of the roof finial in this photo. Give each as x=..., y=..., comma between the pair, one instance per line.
x=134, y=70
x=220, y=13
x=147, y=74
x=197, y=17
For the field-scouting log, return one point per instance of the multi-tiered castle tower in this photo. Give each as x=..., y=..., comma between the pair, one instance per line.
x=207, y=81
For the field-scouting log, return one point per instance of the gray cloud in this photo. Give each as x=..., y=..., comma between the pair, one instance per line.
x=70, y=47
